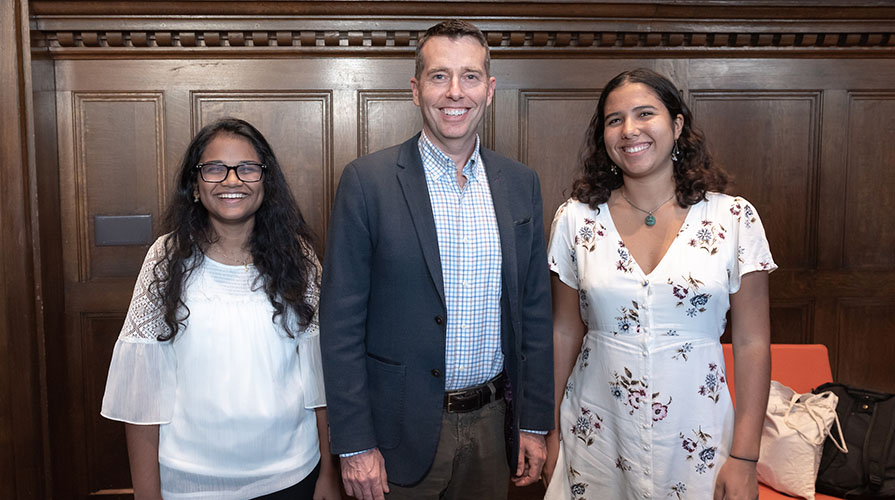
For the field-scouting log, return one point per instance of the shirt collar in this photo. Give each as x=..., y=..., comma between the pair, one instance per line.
x=438, y=164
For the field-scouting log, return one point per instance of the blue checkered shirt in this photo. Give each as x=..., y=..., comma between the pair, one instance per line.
x=469, y=246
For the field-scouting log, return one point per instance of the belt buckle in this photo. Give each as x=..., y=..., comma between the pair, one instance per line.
x=464, y=402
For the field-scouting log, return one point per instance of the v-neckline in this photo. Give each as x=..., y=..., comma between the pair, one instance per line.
x=667, y=250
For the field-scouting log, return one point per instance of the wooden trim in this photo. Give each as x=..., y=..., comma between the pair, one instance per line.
x=23, y=398
x=242, y=44
x=708, y=28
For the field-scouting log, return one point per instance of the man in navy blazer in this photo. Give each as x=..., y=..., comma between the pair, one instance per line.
x=435, y=310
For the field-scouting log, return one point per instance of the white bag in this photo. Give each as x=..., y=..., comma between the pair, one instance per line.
x=795, y=428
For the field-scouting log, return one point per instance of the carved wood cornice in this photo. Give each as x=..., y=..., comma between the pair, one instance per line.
x=708, y=28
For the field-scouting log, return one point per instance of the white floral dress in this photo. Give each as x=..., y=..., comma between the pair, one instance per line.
x=646, y=411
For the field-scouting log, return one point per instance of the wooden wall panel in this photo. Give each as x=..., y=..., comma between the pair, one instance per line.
x=552, y=126
x=791, y=321
x=298, y=126
x=865, y=345
x=386, y=118
x=868, y=240
x=119, y=145
x=765, y=140
x=105, y=473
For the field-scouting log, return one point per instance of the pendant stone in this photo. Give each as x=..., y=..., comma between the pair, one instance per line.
x=649, y=220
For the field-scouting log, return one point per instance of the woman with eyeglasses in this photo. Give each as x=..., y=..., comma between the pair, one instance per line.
x=216, y=372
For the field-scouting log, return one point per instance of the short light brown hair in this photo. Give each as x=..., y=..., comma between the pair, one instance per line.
x=453, y=29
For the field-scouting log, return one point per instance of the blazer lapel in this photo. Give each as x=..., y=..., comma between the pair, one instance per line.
x=500, y=199
x=412, y=179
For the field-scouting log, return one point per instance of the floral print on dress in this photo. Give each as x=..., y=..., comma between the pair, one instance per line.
x=629, y=321
x=582, y=358
x=578, y=489
x=622, y=464
x=700, y=450
x=683, y=350
x=714, y=383
x=671, y=353
x=678, y=489
x=743, y=212
x=589, y=234
x=625, y=262
x=708, y=237
x=695, y=302
x=631, y=392
x=586, y=426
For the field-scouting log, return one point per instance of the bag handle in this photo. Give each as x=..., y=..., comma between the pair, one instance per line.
x=876, y=442
x=818, y=421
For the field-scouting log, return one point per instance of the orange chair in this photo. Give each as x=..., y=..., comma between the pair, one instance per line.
x=800, y=366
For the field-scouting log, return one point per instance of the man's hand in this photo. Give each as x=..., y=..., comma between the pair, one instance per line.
x=364, y=475
x=532, y=455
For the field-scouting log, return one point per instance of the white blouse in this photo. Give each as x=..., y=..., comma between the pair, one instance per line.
x=233, y=395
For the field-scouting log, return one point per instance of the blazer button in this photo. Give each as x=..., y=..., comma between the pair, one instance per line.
x=439, y=320
x=436, y=373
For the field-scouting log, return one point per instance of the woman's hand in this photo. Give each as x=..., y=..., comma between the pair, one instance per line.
x=736, y=480
x=327, y=487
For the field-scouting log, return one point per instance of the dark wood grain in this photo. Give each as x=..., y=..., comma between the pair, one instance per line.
x=101, y=98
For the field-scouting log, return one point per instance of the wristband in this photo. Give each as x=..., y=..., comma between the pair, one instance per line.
x=753, y=460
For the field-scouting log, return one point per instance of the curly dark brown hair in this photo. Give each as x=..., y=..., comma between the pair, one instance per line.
x=281, y=241
x=694, y=172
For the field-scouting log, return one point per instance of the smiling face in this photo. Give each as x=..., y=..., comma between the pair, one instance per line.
x=639, y=131
x=231, y=202
x=452, y=91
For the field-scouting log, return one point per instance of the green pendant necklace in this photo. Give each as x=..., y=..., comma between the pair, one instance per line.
x=650, y=219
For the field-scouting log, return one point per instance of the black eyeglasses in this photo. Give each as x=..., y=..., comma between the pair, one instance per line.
x=216, y=171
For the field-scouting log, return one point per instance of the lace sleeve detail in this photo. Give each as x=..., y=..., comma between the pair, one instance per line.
x=309, y=358
x=145, y=319
x=142, y=378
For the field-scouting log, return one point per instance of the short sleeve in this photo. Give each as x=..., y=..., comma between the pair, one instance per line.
x=752, y=250
x=142, y=378
x=561, y=256
x=309, y=358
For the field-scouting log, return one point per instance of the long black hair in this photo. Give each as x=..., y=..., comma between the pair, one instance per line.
x=694, y=173
x=281, y=242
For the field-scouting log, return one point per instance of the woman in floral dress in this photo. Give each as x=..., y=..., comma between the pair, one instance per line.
x=648, y=256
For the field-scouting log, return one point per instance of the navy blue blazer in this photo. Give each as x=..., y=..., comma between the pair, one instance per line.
x=383, y=313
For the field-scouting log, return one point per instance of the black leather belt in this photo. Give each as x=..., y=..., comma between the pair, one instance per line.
x=473, y=398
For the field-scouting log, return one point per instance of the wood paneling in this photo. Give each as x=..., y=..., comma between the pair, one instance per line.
x=795, y=100
x=98, y=335
x=23, y=434
x=119, y=170
x=765, y=140
x=552, y=126
x=862, y=347
x=868, y=240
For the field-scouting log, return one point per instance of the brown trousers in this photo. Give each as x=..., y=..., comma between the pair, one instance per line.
x=471, y=460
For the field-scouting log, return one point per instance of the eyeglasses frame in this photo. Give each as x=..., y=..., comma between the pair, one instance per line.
x=229, y=168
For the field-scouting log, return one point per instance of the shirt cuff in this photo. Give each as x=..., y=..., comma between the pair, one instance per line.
x=353, y=453
x=540, y=433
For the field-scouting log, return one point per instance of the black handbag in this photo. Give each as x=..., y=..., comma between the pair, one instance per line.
x=868, y=425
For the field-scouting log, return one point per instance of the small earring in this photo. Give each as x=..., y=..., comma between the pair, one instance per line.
x=195, y=195
x=675, y=152
x=613, y=169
